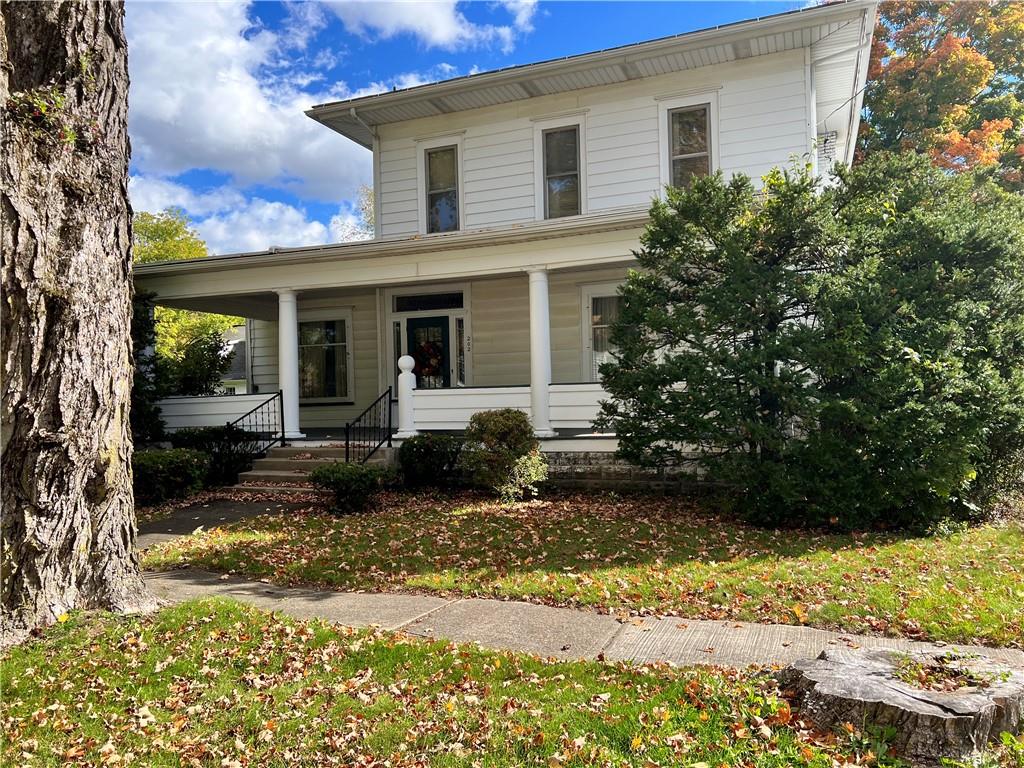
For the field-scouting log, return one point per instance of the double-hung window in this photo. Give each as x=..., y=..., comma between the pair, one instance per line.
x=561, y=172
x=325, y=371
x=442, y=198
x=689, y=131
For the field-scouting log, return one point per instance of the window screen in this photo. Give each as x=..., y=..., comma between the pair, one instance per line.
x=561, y=172
x=689, y=143
x=442, y=189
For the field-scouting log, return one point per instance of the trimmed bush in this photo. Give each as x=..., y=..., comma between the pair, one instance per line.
x=353, y=485
x=430, y=460
x=227, y=446
x=527, y=473
x=159, y=475
x=848, y=357
x=495, y=440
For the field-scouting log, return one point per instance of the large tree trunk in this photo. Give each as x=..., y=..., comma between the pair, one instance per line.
x=68, y=525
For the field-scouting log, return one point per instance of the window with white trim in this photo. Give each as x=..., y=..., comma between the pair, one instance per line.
x=325, y=359
x=561, y=172
x=601, y=307
x=689, y=149
x=442, y=193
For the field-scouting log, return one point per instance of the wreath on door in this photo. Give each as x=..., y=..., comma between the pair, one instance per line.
x=429, y=355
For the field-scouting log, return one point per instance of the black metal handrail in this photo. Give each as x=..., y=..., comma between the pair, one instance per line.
x=261, y=428
x=369, y=430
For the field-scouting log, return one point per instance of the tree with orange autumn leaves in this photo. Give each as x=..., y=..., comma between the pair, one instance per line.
x=947, y=78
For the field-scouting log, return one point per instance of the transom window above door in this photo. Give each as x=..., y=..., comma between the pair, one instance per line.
x=689, y=143
x=442, y=171
x=561, y=172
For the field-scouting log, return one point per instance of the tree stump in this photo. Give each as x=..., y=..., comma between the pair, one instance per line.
x=870, y=688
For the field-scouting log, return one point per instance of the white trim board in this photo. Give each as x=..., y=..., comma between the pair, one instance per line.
x=422, y=145
x=540, y=127
x=667, y=105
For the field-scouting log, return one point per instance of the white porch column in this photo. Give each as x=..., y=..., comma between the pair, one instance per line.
x=540, y=354
x=288, y=359
x=406, y=384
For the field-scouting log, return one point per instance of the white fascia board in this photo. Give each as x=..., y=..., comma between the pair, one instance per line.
x=729, y=33
x=417, y=244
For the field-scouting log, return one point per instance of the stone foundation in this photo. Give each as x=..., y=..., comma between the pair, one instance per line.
x=602, y=470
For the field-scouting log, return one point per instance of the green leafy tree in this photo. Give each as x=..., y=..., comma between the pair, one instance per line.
x=147, y=382
x=185, y=339
x=715, y=344
x=849, y=358
x=925, y=386
x=946, y=79
x=199, y=366
x=165, y=236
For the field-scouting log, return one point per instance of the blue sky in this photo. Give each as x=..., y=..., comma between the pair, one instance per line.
x=218, y=92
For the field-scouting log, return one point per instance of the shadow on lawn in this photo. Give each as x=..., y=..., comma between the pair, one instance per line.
x=423, y=534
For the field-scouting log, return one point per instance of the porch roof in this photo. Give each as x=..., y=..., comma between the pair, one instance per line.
x=244, y=283
x=849, y=20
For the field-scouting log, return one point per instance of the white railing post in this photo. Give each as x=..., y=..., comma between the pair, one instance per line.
x=540, y=354
x=406, y=384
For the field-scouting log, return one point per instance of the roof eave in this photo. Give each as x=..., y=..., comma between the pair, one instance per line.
x=334, y=113
x=606, y=222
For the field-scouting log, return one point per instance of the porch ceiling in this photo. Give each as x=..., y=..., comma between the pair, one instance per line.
x=258, y=306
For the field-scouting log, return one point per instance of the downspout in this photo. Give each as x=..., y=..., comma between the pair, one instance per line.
x=811, y=105
x=375, y=149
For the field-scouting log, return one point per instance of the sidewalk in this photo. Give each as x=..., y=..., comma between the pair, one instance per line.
x=559, y=632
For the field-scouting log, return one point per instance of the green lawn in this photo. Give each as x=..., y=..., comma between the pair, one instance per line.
x=639, y=555
x=215, y=683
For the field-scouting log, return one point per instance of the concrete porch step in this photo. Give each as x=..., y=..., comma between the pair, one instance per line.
x=283, y=471
x=273, y=476
x=318, y=451
x=293, y=464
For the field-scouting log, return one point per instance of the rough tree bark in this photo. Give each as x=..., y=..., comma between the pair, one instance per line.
x=68, y=526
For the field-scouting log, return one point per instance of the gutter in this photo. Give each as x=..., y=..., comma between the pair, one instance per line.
x=632, y=218
x=761, y=25
x=863, y=62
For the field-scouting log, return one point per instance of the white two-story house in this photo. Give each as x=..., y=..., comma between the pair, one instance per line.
x=508, y=204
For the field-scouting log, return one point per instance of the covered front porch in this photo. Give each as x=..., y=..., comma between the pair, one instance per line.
x=490, y=334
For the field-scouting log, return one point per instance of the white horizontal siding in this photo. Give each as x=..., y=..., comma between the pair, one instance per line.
x=762, y=106
x=215, y=411
x=573, y=406
x=436, y=409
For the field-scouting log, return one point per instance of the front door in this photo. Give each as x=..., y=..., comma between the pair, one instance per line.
x=429, y=345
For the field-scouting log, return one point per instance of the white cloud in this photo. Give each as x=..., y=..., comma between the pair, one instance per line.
x=435, y=23
x=213, y=90
x=258, y=225
x=346, y=226
x=152, y=194
x=230, y=222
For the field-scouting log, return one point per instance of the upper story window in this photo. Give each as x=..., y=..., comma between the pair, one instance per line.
x=442, y=169
x=689, y=143
x=562, y=172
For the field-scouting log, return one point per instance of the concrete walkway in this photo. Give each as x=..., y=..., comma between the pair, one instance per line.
x=559, y=632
